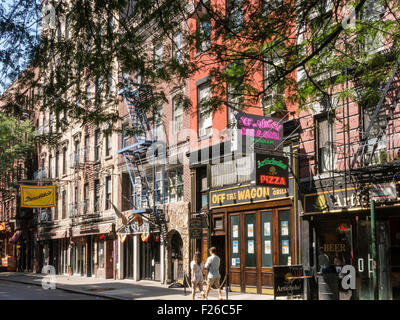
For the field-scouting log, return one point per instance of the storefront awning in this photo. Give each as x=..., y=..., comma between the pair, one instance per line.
x=15, y=237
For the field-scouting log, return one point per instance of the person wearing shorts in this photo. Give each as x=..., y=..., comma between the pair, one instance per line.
x=196, y=267
x=213, y=277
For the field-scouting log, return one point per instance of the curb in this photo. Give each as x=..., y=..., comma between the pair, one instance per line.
x=67, y=289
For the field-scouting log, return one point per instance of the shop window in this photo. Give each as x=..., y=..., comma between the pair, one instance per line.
x=235, y=241
x=250, y=240
x=334, y=245
x=266, y=238
x=284, y=237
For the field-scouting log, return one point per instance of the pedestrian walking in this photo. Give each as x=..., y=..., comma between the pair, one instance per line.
x=213, y=277
x=196, y=267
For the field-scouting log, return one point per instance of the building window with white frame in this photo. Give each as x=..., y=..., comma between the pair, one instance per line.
x=108, y=197
x=177, y=108
x=326, y=147
x=158, y=56
x=204, y=114
x=177, y=47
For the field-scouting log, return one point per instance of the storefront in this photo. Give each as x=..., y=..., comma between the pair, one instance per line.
x=253, y=229
x=341, y=225
x=140, y=251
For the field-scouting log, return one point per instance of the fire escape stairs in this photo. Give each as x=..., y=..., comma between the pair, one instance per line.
x=139, y=156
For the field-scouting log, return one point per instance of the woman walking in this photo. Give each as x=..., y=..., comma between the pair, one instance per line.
x=196, y=267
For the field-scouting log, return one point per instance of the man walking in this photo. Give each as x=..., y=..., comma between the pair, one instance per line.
x=213, y=277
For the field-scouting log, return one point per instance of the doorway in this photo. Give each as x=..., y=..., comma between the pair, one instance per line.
x=219, y=243
x=128, y=257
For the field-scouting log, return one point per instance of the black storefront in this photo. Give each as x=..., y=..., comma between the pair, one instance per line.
x=340, y=224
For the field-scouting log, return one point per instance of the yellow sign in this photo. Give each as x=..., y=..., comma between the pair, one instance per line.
x=38, y=196
x=2, y=226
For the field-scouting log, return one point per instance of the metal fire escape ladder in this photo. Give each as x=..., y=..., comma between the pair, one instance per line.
x=389, y=87
x=138, y=155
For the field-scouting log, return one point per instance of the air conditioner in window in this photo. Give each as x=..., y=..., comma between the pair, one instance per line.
x=203, y=132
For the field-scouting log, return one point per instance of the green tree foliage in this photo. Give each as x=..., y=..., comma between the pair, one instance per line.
x=315, y=48
x=16, y=146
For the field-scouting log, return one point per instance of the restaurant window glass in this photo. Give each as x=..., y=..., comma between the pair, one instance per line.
x=250, y=240
x=334, y=245
x=284, y=236
x=266, y=237
x=235, y=241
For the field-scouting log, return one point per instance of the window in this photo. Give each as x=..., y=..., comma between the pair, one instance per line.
x=50, y=166
x=96, y=196
x=372, y=12
x=64, y=204
x=64, y=164
x=177, y=47
x=108, y=193
x=379, y=155
x=203, y=34
x=158, y=56
x=86, y=198
x=87, y=148
x=97, y=145
x=57, y=164
x=174, y=185
x=108, y=144
x=178, y=114
x=234, y=12
x=270, y=6
x=76, y=198
x=326, y=136
x=97, y=91
x=77, y=147
x=274, y=96
x=205, y=117
x=57, y=208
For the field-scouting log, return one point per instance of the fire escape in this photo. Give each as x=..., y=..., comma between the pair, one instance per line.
x=367, y=165
x=141, y=155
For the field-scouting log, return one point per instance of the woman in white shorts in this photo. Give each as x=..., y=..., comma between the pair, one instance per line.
x=196, y=267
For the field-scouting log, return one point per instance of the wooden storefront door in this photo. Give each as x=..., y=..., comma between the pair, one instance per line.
x=257, y=241
x=109, y=259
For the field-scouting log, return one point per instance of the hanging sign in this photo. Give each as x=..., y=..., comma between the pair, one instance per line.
x=261, y=132
x=38, y=196
x=271, y=170
x=196, y=228
x=383, y=192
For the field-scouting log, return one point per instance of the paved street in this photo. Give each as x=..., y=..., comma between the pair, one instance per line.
x=21, y=291
x=91, y=288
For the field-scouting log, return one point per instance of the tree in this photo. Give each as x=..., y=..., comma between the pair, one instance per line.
x=307, y=49
x=16, y=146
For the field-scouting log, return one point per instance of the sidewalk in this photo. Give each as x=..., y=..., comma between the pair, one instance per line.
x=123, y=289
